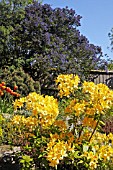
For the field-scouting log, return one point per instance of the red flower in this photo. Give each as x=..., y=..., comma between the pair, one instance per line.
x=15, y=87
x=3, y=83
x=8, y=89
x=3, y=87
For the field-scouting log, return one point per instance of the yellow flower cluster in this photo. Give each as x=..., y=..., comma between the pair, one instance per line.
x=56, y=152
x=89, y=122
x=45, y=109
x=100, y=97
x=57, y=149
x=61, y=125
x=29, y=122
x=76, y=107
x=76, y=126
x=67, y=84
x=102, y=149
x=1, y=122
x=93, y=158
x=19, y=103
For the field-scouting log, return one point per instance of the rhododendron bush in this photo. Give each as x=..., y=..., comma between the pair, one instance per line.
x=64, y=132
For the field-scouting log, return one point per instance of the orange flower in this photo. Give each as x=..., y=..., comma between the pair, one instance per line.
x=1, y=93
x=14, y=93
x=17, y=95
x=11, y=92
x=8, y=89
x=3, y=87
x=3, y=83
x=15, y=87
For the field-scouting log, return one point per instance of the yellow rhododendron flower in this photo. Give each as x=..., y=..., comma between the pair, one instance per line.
x=79, y=108
x=45, y=109
x=63, y=133
x=61, y=124
x=88, y=87
x=90, y=122
x=67, y=84
x=19, y=103
x=100, y=97
x=105, y=152
x=18, y=119
x=56, y=153
x=0, y=132
x=76, y=107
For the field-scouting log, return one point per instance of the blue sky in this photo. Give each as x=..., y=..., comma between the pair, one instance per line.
x=96, y=22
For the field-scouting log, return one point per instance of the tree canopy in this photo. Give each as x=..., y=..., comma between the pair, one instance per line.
x=44, y=41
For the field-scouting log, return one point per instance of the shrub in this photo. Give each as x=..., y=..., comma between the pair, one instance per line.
x=18, y=80
x=7, y=96
x=64, y=134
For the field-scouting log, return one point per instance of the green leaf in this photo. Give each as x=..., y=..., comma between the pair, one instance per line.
x=22, y=161
x=80, y=162
x=76, y=154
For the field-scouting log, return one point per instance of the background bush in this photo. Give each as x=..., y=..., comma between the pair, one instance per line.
x=16, y=76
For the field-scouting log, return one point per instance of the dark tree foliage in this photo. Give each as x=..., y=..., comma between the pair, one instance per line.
x=47, y=42
x=12, y=12
x=111, y=38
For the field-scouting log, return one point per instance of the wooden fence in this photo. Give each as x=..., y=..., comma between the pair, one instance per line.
x=105, y=77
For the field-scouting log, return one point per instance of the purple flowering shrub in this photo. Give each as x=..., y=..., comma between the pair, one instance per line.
x=47, y=42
